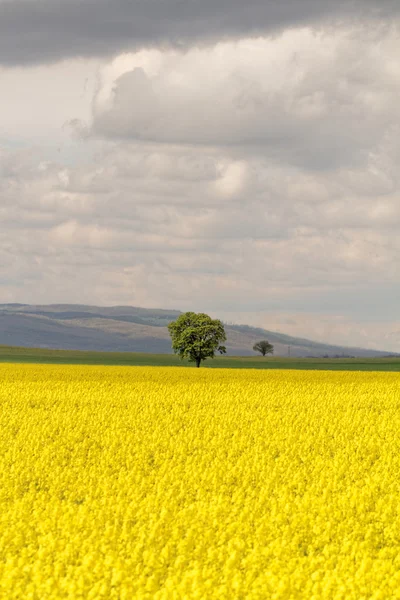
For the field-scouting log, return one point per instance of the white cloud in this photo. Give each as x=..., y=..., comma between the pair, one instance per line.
x=311, y=98
x=234, y=178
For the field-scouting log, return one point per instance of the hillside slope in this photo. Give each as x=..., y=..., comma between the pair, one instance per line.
x=127, y=328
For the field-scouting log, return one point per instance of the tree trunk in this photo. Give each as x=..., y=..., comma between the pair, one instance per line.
x=198, y=361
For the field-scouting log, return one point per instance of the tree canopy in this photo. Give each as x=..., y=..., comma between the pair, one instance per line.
x=197, y=337
x=264, y=347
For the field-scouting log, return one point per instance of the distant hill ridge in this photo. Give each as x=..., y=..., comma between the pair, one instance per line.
x=134, y=329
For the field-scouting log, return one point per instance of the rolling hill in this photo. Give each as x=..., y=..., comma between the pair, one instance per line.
x=132, y=329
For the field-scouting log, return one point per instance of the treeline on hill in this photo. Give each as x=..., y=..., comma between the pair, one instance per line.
x=134, y=329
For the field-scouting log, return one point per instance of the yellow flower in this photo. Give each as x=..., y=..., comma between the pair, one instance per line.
x=169, y=483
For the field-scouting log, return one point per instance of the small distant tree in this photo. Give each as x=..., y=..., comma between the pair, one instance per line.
x=264, y=347
x=197, y=337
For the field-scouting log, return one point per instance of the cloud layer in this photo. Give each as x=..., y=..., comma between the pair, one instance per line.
x=131, y=229
x=51, y=30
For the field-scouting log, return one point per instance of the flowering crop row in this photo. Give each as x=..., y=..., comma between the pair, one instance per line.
x=169, y=483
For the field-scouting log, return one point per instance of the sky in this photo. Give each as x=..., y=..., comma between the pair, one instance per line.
x=228, y=157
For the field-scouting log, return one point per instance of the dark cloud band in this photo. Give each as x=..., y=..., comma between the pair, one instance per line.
x=43, y=31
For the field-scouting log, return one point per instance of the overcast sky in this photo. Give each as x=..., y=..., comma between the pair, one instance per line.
x=237, y=158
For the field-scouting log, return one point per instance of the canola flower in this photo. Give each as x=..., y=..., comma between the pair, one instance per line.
x=169, y=483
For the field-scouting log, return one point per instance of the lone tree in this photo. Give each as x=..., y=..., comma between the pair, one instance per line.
x=197, y=337
x=264, y=347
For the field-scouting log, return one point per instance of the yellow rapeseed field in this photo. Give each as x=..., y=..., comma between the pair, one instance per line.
x=174, y=483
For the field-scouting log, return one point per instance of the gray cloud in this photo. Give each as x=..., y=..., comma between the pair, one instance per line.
x=42, y=31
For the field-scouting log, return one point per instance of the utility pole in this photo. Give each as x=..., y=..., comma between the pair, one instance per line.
x=288, y=348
